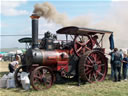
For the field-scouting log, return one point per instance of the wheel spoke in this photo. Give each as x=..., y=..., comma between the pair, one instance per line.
x=100, y=73
x=38, y=73
x=78, y=43
x=37, y=77
x=44, y=72
x=36, y=80
x=89, y=77
x=90, y=60
x=102, y=65
x=88, y=65
x=87, y=47
x=95, y=77
x=86, y=69
x=95, y=57
x=86, y=42
x=78, y=50
x=89, y=71
x=98, y=62
x=48, y=81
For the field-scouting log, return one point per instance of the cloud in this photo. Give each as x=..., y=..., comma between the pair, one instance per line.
x=9, y=7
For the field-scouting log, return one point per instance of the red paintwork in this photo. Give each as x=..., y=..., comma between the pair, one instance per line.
x=62, y=65
x=54, y=59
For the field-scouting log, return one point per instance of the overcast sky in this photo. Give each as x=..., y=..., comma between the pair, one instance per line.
x=15, y=18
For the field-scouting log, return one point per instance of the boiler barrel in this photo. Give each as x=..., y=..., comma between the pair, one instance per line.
x=46, y=58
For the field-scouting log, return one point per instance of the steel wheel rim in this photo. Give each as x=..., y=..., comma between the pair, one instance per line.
x=41, y=78
x=95, y=67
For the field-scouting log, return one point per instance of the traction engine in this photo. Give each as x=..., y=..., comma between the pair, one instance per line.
x=52, y=61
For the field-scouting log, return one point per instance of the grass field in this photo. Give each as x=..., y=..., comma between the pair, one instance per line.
x=105, y=88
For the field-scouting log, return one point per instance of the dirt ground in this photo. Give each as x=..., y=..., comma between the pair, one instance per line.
x=4, y=66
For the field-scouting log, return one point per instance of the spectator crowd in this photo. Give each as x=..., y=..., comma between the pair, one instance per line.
x=119, y=64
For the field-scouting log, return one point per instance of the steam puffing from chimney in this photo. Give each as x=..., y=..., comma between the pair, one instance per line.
x=116, y=20
x=49, y=12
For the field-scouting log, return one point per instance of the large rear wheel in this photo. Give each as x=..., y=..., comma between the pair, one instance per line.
x=93, y=66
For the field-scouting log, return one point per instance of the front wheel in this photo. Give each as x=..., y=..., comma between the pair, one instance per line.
x=42, y=78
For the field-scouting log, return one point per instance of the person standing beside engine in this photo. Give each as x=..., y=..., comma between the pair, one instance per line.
x=117, y=59
x=111, y=62
x=121, y=52
x=125, y=67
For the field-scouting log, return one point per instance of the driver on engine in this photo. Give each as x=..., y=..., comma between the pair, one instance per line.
x=94, y=41
x=42, y=43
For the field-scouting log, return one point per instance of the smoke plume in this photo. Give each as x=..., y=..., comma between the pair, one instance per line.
x=116, y=20
x=49, y=12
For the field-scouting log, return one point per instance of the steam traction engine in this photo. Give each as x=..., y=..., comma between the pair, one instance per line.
x=82, y=57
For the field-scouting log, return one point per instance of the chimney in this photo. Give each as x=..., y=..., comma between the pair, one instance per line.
x=34, y=18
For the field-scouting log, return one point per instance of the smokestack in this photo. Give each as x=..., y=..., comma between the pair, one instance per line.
x=34, y=18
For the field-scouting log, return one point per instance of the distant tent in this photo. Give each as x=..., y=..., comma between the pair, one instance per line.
x=3, y=52
x=111, y=40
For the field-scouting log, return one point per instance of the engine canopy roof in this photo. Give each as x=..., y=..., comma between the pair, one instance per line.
x=72, y=30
